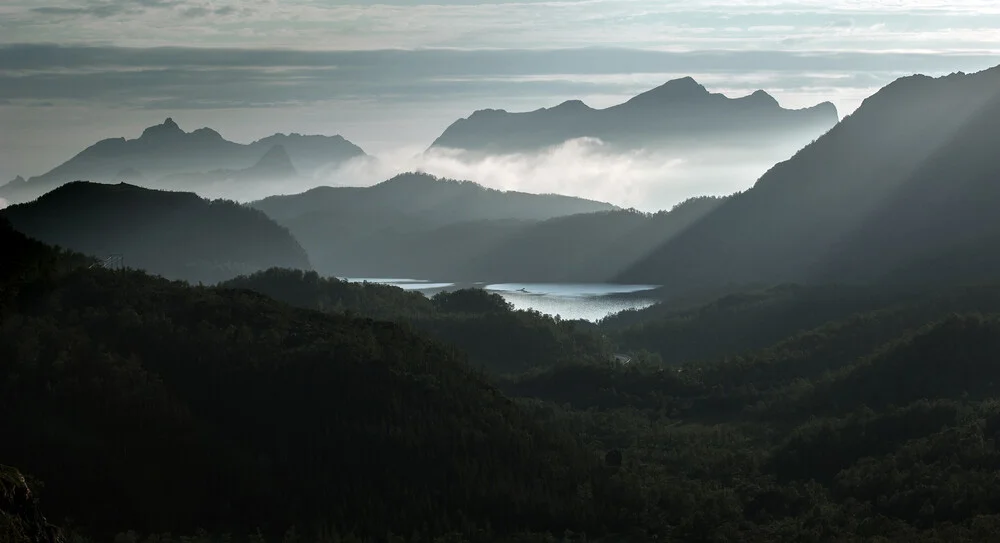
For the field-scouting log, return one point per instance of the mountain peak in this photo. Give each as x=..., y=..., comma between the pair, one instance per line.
x=274, y=163
x=762, y=97
x=683, y=89
x=16, y=181
x=571, y=105
x=206, y=133
x=168, y=129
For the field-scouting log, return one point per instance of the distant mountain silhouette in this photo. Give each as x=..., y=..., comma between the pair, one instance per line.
x=904, y=189
x=274, y=166
x=165, y=149
x=385, y=228
x=15, y=182
x=678, y=113
x=174, y=234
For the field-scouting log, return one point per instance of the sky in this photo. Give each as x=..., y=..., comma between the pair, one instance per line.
x=391, y=75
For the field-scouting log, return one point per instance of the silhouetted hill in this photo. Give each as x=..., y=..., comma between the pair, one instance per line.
x=157, y=406
x=903, y=189
x=586, y=247
x=747, y=321
x=174, y=234
x=881, y=425
x=411, y=224
x=497, y=338
x=678, y=113
x=166, y=149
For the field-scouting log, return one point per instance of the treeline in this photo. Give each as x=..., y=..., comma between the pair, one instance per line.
x=880, y=425
x=497, y=338
x=157, y=406
x=173, y=234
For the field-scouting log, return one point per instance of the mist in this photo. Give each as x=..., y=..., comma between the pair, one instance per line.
x=648, y=179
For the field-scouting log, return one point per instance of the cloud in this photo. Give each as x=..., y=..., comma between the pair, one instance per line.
x=647, y=180
x=103, y=9
x=3, y=203
x=356, y=24
x=190, y=78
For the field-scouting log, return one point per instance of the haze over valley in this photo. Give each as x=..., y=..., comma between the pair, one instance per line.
x=491, y=271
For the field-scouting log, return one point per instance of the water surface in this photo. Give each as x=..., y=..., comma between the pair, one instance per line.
x=571, y=301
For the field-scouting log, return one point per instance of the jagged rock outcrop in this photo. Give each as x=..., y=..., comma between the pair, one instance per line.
x=21, y=521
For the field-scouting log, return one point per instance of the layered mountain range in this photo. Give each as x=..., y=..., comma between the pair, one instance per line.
x=905, y=188
x=174, y=234
x=680, y=113
x=165, y=151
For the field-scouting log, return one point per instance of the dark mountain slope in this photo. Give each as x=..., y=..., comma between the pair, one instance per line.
x=166, y=149
x=497, y=338
x=861, y=200
x=587, y=247
x=413, y=224
x=440, y=201
x=748, y=321
x=20, y=519
x=678, y=113
x=174, y=234
x=282, y=416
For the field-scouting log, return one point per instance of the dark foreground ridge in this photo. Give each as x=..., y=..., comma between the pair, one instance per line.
x=20, y=519
x=174, y=234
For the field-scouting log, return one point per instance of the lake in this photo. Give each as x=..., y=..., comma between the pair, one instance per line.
x=587, y=301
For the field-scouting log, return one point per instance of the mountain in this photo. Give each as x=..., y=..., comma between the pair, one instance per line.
x=285, y=417
x=412, y=224
x=17, y=181
x=166, y=149
x=902, y=190
x=479, y=323
x=174, y=234
x=678, y=113
x=586, y=247
x=275, y=166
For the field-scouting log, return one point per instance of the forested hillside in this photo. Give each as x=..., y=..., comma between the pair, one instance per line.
x=153, y=405
x=174, y=234
x=871, y=414
x=418, y=226
x=901, y=190
x=412, y=225
x=497, y=338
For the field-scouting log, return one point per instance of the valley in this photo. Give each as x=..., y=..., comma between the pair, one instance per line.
x=812, y=358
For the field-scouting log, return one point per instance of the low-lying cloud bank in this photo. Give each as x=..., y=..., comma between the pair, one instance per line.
x=649, y=180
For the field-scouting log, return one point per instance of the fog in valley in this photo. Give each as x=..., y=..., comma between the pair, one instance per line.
x=499, y=271
x=646, y=179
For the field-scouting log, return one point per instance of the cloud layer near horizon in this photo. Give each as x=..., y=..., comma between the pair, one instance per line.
x=585, y=167
x=356, y=24
x=392, y=74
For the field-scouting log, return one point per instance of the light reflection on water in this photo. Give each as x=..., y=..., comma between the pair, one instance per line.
x=569, y=301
